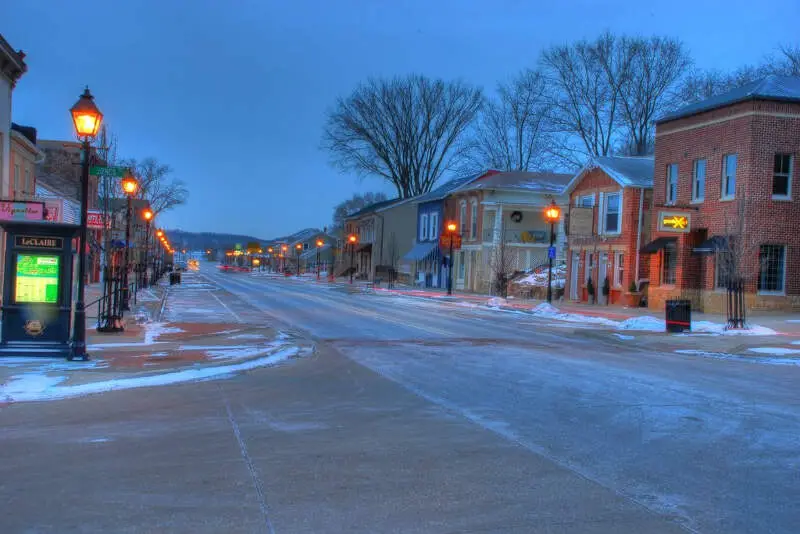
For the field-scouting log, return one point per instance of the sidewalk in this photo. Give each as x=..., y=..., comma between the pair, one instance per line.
x=197, y=336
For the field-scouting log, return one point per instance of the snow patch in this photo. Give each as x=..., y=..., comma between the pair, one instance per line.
x=496, y=302
x=622, y=336
x=154, y=330
x=646, y=323
x=39, y=387
x=720, y=328
x=551, y=312
x=778, y=351
x=247, y=336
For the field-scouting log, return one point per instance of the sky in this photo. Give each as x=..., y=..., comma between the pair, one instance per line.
x=233, y=94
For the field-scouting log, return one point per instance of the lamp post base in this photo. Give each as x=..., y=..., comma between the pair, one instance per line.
x=77, y=351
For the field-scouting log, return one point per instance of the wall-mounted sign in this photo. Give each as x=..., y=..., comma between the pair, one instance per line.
x=580, y=221
x=38, y=242
x=670, y=221
x=21, y=211
x=37, y=278
x=95, y=219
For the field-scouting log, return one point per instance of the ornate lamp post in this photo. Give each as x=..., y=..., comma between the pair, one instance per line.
x=148, y=216
x=451, y=233
x=86, y=118
x=284, y=249
x=319, y=247
x=129, y=187
x=551, y=215
x=271, y=265
x=353, y=240
x=298, y=249
x=160, y=236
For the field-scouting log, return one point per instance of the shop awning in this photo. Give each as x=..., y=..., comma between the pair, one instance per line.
x=657, y=244
x=712, y=244
x=419, y=251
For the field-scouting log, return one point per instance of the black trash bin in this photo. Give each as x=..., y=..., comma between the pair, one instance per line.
x=679, y=315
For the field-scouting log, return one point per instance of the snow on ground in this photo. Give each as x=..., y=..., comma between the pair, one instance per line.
x=247, y=336
x=645, y=323
x=40, y=387
x=727, y=356
x=496, y=302
x=551, y=312
x=622, y=336
x=154, y=330
x=778, y=351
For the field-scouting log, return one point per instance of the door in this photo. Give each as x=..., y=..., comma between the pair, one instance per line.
x=573, y=280
x=602, y=272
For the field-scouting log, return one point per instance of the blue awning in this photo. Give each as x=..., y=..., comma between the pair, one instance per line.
x=420, y=250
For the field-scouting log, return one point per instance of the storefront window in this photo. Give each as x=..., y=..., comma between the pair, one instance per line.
x=669, y=262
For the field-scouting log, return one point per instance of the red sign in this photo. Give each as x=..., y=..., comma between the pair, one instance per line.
x=95, y=220
x=444, y=241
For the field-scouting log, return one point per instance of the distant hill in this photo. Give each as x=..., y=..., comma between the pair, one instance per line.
x=181, y=239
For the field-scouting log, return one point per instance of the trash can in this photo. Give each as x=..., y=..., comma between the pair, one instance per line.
x=679, y=315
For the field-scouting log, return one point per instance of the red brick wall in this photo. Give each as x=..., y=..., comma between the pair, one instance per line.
x=755, y=131
x=594, y=182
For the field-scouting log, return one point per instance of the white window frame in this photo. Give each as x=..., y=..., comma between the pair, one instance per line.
x=724, y=182
x=783, y=273
x=473, y=219
x=604, y=213
x=462, y=217
x=423, y=227
x=619, y=271
x=788, y=195
x=672, y=193
x=698, y=198
x=581, y=198
x=433, y=233
x=16, y=180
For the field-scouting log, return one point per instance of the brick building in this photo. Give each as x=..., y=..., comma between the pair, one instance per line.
x=609, y=206
x=725, y=205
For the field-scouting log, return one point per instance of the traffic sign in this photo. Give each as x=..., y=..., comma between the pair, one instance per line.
x=551, y=252
x=111, y=172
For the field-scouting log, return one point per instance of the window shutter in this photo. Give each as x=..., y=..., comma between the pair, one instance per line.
x=601, y=219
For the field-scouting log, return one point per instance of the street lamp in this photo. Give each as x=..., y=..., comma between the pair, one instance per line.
x=129, y=186
x=451, y=233
x=147, y=214
x=298, y=247
x=86, y=118
x=352, y=239
x=284, y=249
x=551, y=215
x=320, y=242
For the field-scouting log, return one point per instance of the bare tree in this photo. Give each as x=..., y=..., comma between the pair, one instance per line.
x=503, y=263
x=644, y=72
x=406, y=131
x=347, y=207
x=584, y=103
x=157, y=186
x=512, y=132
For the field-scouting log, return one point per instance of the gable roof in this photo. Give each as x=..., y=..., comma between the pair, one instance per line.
x=773, y=87
x=449, y=186
x=373, y=207
x=627, y=171
x=551, y=183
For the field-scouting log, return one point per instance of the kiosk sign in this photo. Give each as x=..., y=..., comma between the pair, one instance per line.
x=37, y=278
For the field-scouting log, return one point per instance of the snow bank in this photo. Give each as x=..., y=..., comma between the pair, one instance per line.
x=551, y=312
x=719, y=328
x=646, y=323
x=40, y=387
x=496, y=302
x=778, y=351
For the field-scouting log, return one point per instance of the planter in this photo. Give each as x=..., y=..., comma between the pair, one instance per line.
x=633, y=300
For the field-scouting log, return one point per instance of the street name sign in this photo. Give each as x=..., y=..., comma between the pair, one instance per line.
x=111, y=172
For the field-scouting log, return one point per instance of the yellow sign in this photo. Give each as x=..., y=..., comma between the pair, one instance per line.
x=674, y=222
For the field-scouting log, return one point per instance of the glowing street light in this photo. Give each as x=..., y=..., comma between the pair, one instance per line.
x=551, y=214
x=352, y=239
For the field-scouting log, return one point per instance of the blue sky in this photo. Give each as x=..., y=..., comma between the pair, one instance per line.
x=233, y=94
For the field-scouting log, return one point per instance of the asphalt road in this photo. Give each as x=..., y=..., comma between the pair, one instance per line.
x=417, y=416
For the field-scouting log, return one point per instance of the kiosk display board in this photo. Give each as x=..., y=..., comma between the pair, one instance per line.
x=37, y=278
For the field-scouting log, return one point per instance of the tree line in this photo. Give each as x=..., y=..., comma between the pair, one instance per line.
x=586, y=98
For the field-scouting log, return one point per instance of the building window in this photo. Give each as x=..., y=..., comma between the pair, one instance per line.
x=611, y=211
x=473, y=223
x=672, y=183
x=423, y=227
x=462, y=218
x=586, y=201
x=782, y=177
x=699, y=181
x=16, y=180
x=772, y=263
x=305, y=246
x=729, y=176
x=619, y=269
x=669, y=262
x=462, y=265
x=589, y=266
x=434, y=232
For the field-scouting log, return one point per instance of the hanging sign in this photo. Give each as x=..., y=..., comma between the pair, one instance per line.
x=669, y=221
x=21, y=211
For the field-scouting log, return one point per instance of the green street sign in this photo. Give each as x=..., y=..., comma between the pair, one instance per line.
x=113, y=172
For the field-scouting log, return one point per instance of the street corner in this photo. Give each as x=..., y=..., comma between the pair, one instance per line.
x=167, y=354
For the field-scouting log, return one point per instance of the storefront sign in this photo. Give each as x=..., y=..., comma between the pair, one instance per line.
x=669, y=221
x=21, y=211
x=580, y=221
x=95, y=220
x=38, y=242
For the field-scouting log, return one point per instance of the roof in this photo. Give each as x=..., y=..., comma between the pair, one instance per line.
x=773, y=87
x=627, y=171
x=373, y=207
x=552, y=183
x=449, y=186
